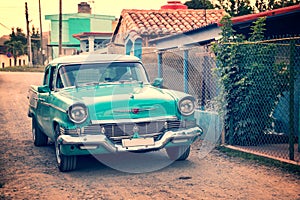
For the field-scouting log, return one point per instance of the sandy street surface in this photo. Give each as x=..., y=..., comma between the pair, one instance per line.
x=29, y=172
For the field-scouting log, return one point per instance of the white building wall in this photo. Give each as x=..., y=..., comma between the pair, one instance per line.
x=9, y=62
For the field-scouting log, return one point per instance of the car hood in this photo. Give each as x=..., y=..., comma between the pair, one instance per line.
x=123, y=101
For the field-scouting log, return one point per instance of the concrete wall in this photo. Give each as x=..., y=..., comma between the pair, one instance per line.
x=9, y=62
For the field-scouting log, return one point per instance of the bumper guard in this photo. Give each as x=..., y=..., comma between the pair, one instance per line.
x=184, y=136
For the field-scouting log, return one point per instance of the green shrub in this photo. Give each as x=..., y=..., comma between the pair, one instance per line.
x=252, y=81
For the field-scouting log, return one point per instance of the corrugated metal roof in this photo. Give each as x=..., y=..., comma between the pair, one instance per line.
x=267, y=13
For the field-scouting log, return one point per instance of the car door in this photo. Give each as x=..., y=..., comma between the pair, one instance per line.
x=44, y=103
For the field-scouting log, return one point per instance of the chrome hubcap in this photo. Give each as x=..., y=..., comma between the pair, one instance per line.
x=33, y=133
x=57, y=152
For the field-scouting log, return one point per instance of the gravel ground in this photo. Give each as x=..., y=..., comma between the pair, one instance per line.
x=29, y=172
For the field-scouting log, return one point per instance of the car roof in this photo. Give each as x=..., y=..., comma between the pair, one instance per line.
x=93, y=58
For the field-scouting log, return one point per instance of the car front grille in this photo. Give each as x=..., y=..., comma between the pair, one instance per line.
x=117, y=132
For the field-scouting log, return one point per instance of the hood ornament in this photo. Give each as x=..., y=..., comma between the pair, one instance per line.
x=134, y=110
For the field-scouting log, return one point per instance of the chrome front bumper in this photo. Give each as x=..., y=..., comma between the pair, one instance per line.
x=180, y=137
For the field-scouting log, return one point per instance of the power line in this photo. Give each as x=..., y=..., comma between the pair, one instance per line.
x=4, y=26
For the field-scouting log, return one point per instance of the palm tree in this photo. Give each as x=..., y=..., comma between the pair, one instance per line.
x=17, y=45
x=16, y=48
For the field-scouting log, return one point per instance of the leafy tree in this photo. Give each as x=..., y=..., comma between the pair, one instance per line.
x=235, y=7
x=228, y=61
x=199, y=4
x=17, y=45
x=263, y=5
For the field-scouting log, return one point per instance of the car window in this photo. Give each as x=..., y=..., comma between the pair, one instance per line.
x=71, y=75
x=59, y=83
x=52, y=77
x=88, y=75
x=117, y=73
x=46, y=76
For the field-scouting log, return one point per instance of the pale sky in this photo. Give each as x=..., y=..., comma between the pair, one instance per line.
x=12, y=12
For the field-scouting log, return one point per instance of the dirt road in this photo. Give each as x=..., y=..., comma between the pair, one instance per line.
x=29, y=172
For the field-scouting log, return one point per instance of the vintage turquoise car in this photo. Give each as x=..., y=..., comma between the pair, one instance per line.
x=101, y=103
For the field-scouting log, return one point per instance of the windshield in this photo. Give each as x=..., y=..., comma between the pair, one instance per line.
x=97, y=73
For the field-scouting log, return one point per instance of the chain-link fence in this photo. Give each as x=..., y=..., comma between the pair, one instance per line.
x=262, y=98
x=259, y=93
x=200, y=80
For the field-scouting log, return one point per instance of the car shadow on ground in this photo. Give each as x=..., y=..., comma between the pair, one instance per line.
x=129, y=163
x=124, y=162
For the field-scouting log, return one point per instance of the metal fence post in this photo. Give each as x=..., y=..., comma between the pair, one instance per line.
x=159, y=64
x=186, y=70
x=299, y=127
x=292, y=100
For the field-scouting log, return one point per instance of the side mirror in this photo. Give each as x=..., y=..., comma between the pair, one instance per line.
x=158, y=82
x=43, y=89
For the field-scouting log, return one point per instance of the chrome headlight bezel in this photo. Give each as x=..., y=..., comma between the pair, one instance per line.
x=78, y=113
x=187, y=106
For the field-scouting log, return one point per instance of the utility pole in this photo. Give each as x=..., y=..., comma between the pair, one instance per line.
x=60, y=29
x=41, y=32
x=28, y=37
x=205, y=18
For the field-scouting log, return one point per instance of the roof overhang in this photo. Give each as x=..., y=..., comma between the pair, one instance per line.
x=199, y=36
x=279, y=22
x=99, y=35
x=269, y=13
x=64, y=45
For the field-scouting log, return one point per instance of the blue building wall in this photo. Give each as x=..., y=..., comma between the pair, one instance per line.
x=74, y=24
x=78, y=25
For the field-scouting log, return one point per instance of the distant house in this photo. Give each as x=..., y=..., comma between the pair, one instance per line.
x=91, y=41
x=136, y=28
x=78, y=24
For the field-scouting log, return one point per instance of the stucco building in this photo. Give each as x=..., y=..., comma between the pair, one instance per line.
x=136, y=27
x=79, y=24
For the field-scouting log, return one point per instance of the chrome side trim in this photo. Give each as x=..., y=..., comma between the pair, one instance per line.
x=58, y=108
x=53, y=106
x=139, y=120
x=32, y=90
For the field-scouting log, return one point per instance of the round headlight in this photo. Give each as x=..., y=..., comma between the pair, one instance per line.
x=186, y=106
x=78, y=113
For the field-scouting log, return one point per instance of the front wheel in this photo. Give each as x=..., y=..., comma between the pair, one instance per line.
x=39, y=138
x=178, y=153
x=65, y=163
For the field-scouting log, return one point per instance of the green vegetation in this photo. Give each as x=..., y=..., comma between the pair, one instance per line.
x=199, y=4
x=17, y=45
x=241, y=7
x=23, y=69
x=295, y=169
x=252, y=80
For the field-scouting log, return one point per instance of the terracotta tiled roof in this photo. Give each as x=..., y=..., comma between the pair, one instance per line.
x=167, y=21
x=3, y=39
